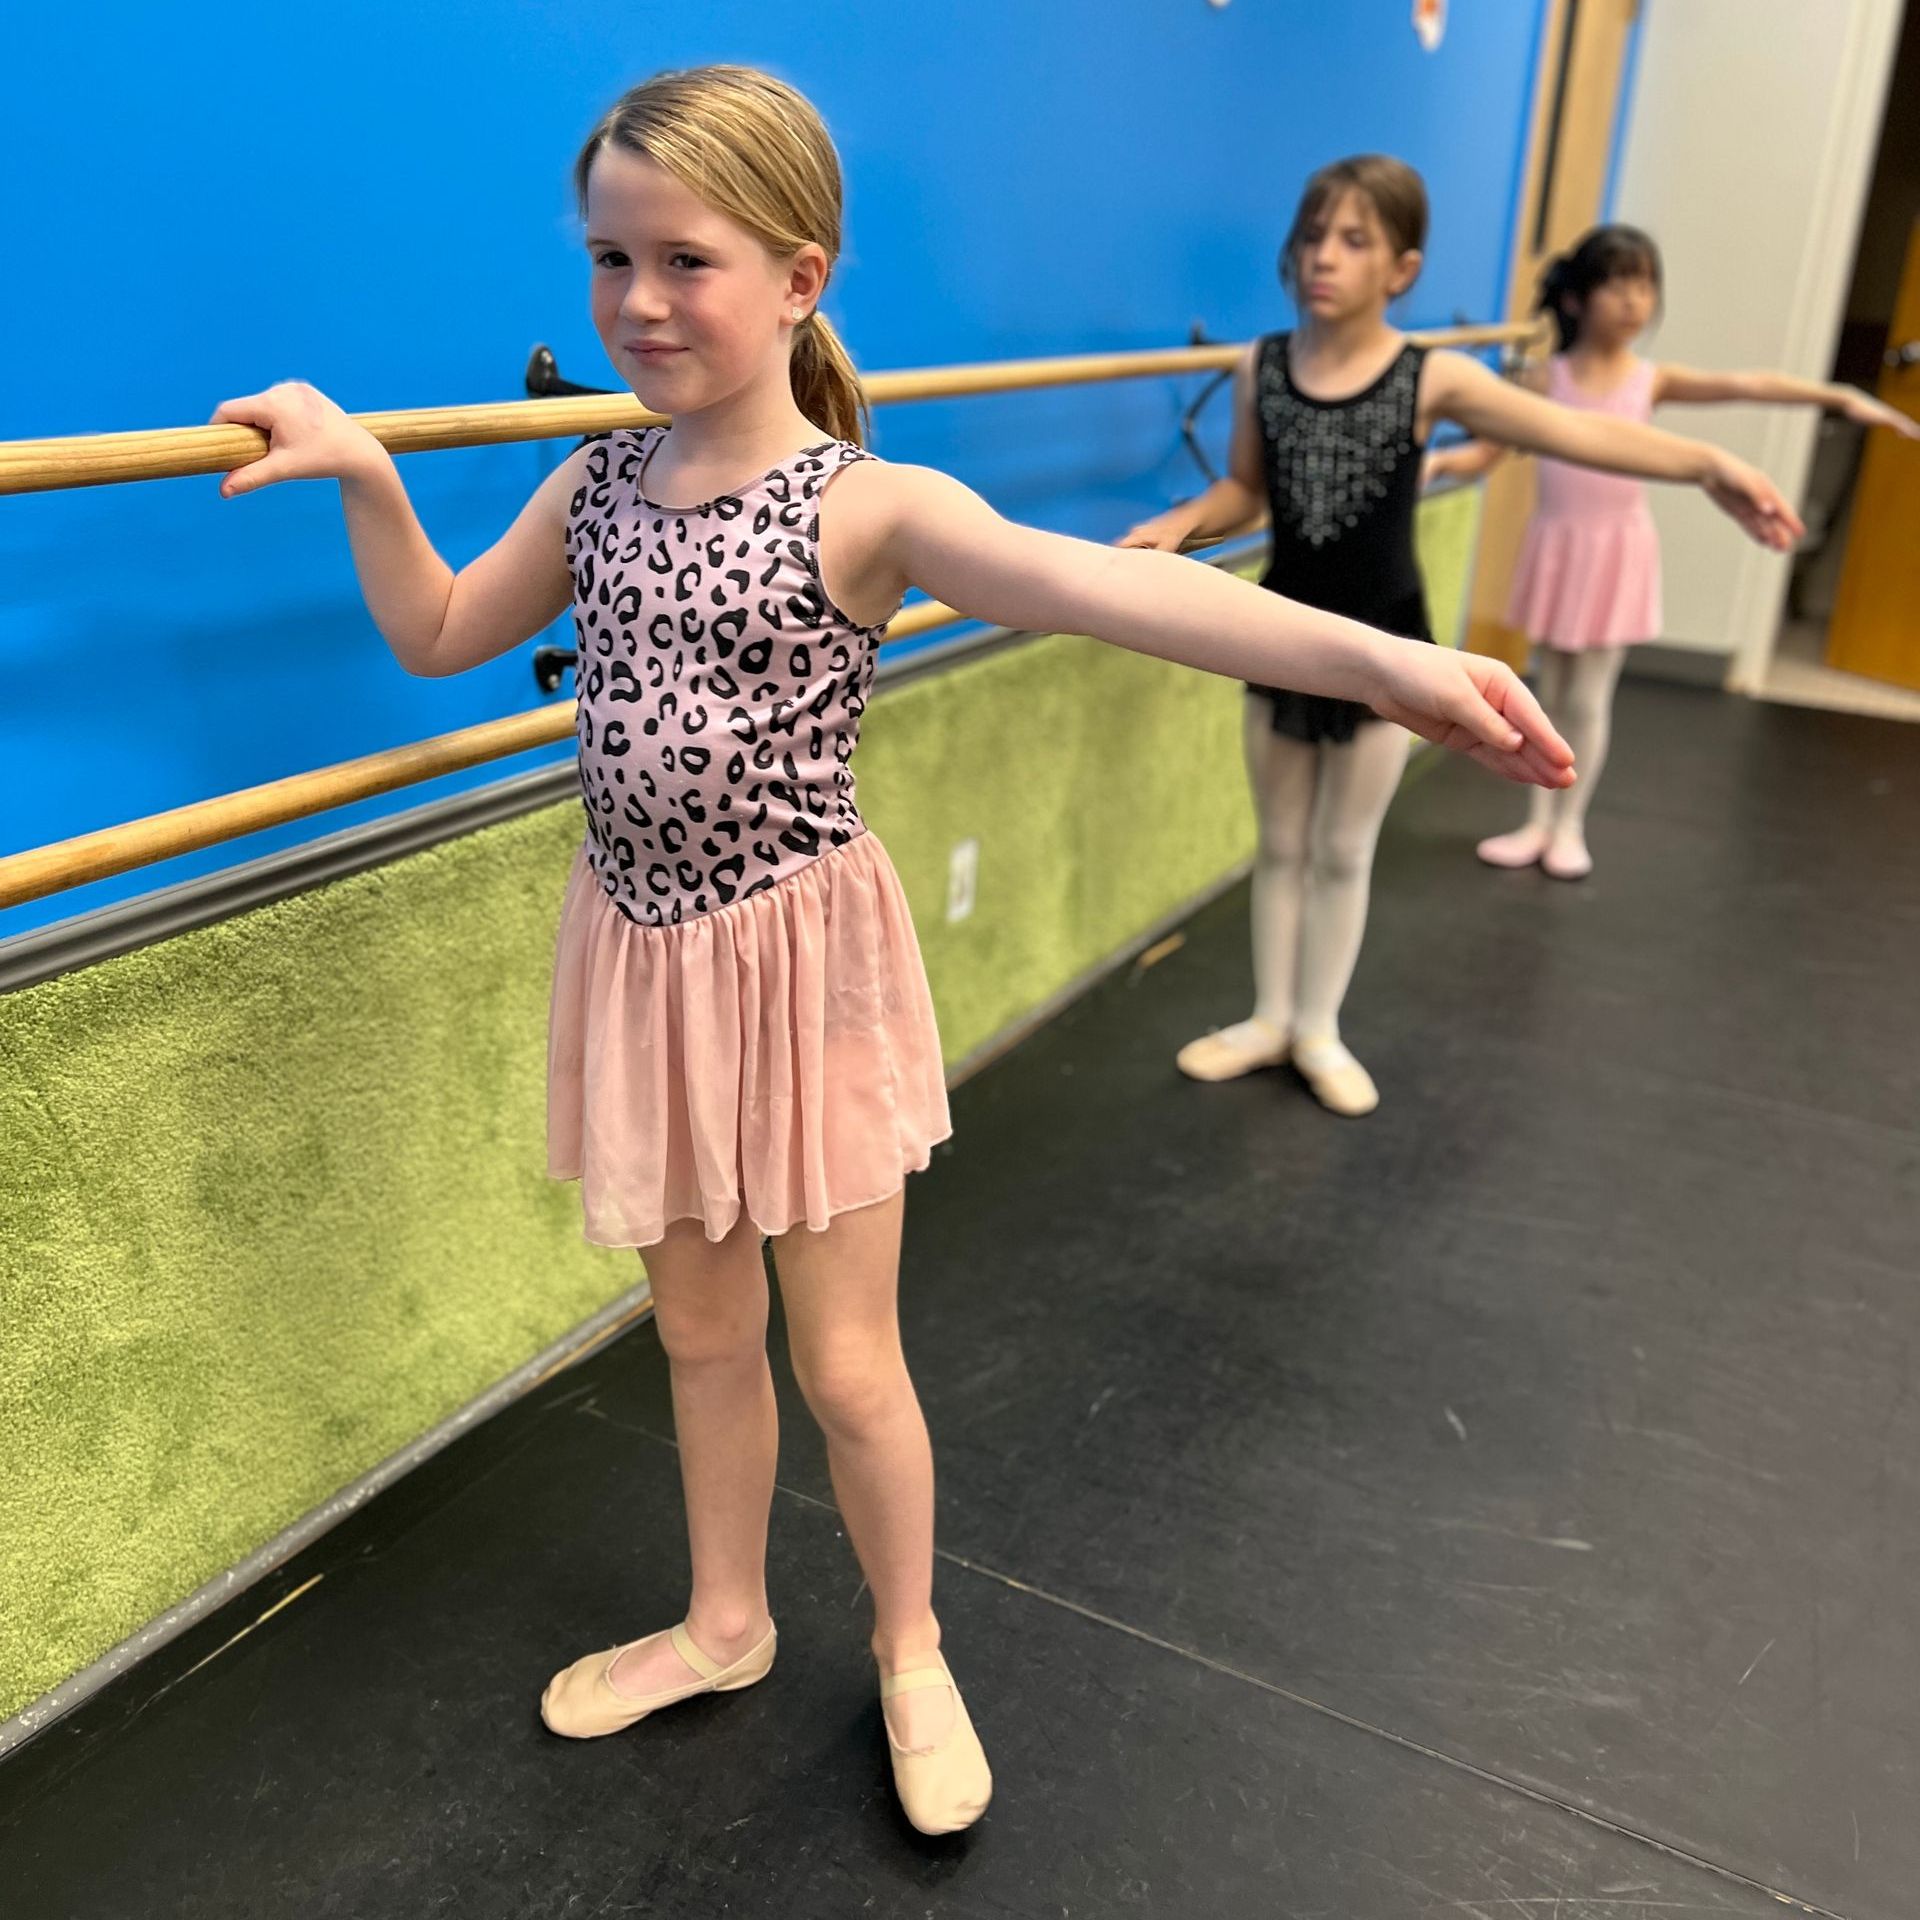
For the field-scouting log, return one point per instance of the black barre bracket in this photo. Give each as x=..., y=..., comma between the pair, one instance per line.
x=544, y=381
x=550, y=666
x=1190, y=420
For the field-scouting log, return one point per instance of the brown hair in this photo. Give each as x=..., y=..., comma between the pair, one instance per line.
x=755, y=150
x=1397, y=195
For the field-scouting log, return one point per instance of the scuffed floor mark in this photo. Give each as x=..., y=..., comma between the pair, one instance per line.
x=259, y=1620
x=1566, y=1543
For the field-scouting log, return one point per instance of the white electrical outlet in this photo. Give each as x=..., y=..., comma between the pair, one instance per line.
x=963, y=872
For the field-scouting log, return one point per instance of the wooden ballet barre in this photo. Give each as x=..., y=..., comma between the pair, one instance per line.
x=66, y=864
x=207, y=823
x=166, y=453
x=98, y=459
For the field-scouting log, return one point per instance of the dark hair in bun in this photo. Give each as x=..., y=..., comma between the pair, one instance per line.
x=1603, y=254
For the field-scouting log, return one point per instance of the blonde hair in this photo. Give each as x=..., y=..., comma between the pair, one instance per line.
x=755, y=150
x=1397, y=195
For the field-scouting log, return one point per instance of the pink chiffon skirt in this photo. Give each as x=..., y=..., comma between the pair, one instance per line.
x=777, y=1058
x=1588, y=580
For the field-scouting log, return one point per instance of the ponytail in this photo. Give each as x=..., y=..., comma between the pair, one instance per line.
x=1556, y=285
x=825, y=387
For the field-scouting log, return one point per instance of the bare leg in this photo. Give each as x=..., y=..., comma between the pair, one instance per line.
x=841, y=1289
x=710, y=1305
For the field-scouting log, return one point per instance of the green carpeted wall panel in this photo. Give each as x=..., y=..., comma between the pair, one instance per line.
x=272, y=1199
x=272, y=1203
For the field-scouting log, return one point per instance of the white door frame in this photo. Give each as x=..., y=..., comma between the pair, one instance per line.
x=1817, y=310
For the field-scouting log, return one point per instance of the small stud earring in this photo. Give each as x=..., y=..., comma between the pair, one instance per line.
x=798, y=315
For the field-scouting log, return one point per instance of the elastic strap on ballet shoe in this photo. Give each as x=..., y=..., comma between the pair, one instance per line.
x=915, y=1680
x=698, y=1661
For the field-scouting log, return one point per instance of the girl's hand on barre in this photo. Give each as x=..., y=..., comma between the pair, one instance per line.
x=309, y=438
x=1467, y=462
x=1473, y=705
x=1167, y=532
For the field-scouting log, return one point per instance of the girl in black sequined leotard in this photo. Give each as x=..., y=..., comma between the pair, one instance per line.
x=1326, y=435
x=1329, y=427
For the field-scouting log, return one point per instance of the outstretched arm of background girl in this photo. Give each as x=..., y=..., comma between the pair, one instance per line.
x=1235, y=503
x=891, y=527
x=1692, y=386
x=1469, y=460
x=1462, y=390
x=1475, y=459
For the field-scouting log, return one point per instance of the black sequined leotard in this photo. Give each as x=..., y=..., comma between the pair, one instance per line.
x=1343, y=479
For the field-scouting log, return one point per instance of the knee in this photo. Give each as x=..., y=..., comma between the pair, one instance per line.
x=1280, y=851
x=701, y=1339
x=853, y=1387
x=1580, y=711
x=1343, y=859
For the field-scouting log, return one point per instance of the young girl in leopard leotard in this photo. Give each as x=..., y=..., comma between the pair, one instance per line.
x=742, y=1042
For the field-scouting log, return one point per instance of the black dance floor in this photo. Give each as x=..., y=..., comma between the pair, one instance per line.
x=1507, y=1505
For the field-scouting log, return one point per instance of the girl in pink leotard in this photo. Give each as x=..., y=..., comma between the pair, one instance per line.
x=1587, y=586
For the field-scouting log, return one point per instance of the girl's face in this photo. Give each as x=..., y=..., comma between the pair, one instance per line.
x=1346, y=265
x=1616, y=312
x=689, y=305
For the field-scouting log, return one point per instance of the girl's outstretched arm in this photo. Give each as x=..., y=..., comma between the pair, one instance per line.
x=1235, y=502
x=1693, y=386
x=1462, y=390
x=1474, y=459
x=891, y=527
x=1467, y=461
x=436, y=621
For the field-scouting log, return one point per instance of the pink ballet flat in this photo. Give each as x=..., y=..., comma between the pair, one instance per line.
x=1567, y=863
x=582, y=1703
x=945, y=1788
x=1521, y=848
x=1233, y=1051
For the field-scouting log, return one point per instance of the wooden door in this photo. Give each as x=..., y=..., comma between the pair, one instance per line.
x=1569, y=152
x=1875, y=628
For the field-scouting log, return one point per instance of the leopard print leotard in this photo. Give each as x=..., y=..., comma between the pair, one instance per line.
x=720, y=690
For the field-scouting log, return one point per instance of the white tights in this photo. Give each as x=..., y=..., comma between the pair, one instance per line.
x=1319, y=810
x=1577, y=691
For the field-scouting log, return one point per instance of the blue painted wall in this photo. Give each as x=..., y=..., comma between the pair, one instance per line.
x=375, y=198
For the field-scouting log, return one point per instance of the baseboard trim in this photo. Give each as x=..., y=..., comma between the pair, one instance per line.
x=1678, y=666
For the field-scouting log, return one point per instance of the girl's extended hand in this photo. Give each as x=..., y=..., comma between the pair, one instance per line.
x=1870, y=412
x=1753, y=500
x=1473, y=705
x=310, y=438
x=1166, y=532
